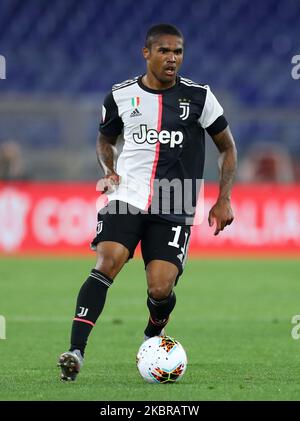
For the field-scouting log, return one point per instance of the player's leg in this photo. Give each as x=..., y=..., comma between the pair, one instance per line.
x=116, y=240
x=161, y=300
x=164, y=248
x=111, y=257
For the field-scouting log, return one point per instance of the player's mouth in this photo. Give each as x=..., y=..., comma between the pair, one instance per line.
x=170, y=70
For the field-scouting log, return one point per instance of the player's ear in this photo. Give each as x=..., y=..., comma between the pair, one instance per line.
x=146, y=53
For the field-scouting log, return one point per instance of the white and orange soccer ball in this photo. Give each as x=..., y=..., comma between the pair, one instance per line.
x=161, y=359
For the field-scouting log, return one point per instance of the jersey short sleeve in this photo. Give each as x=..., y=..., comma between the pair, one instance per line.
x=211, y=110
x=111, y=123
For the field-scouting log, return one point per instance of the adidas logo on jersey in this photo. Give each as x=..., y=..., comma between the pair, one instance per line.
x=153, y=136
x=135, y=113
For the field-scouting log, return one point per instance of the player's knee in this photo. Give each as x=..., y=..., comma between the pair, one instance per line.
x=108, y=265
x=161, y=277
x=159, y=292
x=160, y=283
x=110, y=258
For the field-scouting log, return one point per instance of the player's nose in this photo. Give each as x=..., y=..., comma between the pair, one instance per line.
x=171, y=57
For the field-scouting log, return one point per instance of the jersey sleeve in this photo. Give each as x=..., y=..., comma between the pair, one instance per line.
x=111, y=123
x=212, y=110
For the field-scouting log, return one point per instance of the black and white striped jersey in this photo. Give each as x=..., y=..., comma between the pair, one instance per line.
x=163, y=141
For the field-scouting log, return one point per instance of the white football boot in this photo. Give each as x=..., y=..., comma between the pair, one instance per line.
x=70, y=363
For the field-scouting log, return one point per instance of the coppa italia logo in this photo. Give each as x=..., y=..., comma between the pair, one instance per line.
x=2, y=67
x=153, y=136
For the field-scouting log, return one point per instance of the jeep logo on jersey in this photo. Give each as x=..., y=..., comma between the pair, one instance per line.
x=153, y=136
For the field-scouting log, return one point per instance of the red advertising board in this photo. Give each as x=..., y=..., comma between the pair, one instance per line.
x=267, y=221
x=61, y=218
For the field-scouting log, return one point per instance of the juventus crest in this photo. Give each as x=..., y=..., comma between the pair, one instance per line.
x=185, y=107
x=83, y=311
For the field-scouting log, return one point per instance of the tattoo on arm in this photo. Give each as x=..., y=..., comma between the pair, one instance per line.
x=106, y=153
x=227, y=161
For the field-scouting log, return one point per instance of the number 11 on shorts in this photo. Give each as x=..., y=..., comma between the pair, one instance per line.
x=174, y=243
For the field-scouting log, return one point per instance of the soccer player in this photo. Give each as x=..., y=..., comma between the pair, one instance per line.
x=163, y=118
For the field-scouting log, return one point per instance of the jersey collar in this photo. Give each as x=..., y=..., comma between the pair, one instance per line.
x=157, y=91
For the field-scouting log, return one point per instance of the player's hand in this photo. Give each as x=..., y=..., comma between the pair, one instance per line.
x=221, y=214
x=107, y=184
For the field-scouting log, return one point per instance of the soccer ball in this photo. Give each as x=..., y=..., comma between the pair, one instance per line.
x=161, y=359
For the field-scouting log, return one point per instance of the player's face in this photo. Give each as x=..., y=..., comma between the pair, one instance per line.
x=164, y=58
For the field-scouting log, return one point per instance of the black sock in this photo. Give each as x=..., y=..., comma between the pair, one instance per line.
x=160, y=311
x=90, y=303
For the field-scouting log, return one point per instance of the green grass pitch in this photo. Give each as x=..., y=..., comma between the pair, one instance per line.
x=232, y=316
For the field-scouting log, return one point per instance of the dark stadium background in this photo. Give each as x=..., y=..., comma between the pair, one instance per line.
x=61, y=57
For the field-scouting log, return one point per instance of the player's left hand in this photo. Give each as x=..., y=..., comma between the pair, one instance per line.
x=107, y=184
x=221, y=214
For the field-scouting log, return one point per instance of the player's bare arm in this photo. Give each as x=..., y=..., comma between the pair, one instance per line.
x=221, y=212
x=106, y=154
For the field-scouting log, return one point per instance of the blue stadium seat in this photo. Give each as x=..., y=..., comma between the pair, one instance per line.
x=228, y=42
